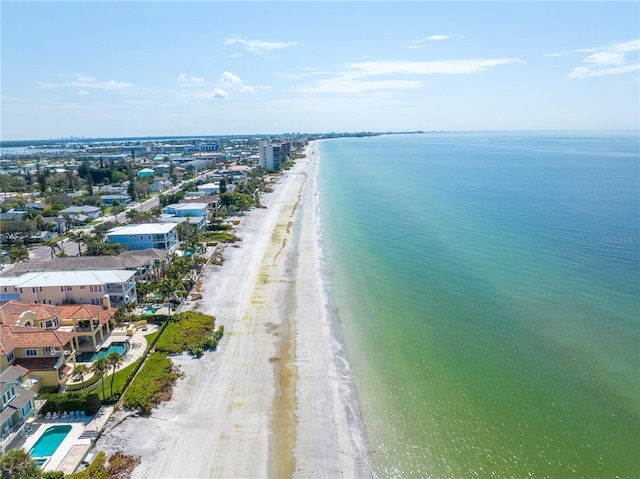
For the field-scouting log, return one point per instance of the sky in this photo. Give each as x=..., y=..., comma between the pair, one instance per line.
x=125, y=69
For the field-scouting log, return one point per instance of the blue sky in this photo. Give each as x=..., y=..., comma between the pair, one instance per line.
x=103, y=69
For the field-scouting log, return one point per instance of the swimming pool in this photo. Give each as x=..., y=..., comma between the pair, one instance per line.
x=119, y=347
x=49, y=442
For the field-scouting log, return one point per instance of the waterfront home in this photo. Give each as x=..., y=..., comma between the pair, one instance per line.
x=141, y=262
x=210, y=188
x=18, y=402
x=106, y=288
x=47, y=357
x=90, y=324
x=143, y=236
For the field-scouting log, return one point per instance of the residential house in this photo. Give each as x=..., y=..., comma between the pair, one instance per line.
x=90, y=324
x=141, y=262
x=47, y=357
x=210, y=188
x=196, y=212
x=121, y=199
x=146, y=173
x=143, y=236
x=106, y=288
x=18, y=403
x=82, y=214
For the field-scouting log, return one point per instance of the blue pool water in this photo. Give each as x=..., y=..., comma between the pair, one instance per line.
x=50, y=441
x=120, y=347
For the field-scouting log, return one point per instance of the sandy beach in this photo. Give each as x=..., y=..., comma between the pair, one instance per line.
x=269, y=401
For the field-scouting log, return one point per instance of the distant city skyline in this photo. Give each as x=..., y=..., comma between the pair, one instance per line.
x=129, y=69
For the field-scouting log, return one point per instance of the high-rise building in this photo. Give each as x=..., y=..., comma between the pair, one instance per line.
x=273, y=155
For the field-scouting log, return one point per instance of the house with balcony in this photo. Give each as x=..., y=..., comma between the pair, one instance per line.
x=46, y=357
x=101, y=288
x=143, y=236
x=18, y=403
x=90, y=324
x=196, y=213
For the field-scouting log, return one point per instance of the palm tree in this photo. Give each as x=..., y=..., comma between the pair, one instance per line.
x=79, y=238
x=100, y=367
x=115, y=360
x=53, y=245
x=79, y=372
x=168, y=288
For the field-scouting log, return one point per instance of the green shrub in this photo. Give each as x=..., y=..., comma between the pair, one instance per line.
x=95, y=470
x=72, y=401
x=147, y=388
x=185, y=329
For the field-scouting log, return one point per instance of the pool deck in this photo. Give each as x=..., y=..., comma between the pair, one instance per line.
x=75, y=446
x=137, y=346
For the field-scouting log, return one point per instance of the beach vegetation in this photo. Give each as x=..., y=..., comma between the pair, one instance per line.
x=152, y=385
x=71, y=401
x=185, y=329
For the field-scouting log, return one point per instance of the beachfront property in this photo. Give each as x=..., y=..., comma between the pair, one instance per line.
x=45, y=356
x=101, y=288
x=274, y=155
x=90, y=324
x=142, y=236
x=18, y=400
x=141, y=262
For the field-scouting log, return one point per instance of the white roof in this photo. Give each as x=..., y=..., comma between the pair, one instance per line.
x=68, y=278
x=189, y=206
x=143, y=229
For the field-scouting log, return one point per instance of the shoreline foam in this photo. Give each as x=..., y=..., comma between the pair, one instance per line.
x=269, y=402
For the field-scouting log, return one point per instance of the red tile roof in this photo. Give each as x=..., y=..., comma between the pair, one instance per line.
x=14, y=309
x=37, y=364
x=12, y=337
x=87, y=311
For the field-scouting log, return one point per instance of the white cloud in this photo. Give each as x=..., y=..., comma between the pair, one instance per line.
x=587, y=72
x=218, y=93
x=371, y=68
x=355, y=77
x=83, y=92
x=88, y=82
x=228, y=77
x=248, y=89
x=259, y=46
x=607, y=60
x=438, y=37
x=424, y=42
x=184, y=79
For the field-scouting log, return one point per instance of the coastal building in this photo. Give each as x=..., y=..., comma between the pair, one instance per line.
x=114, y=287
x=141, y=262
x=210, y=188
x=143, y=236
x=18, y=402
x=46, y=357
x=274, y=155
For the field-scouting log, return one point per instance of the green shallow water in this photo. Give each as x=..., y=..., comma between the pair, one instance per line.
x=490, y=324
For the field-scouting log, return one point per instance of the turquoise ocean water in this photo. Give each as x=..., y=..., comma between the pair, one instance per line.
x=487, y=290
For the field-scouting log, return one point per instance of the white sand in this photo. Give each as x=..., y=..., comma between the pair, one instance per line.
x=268, y=402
